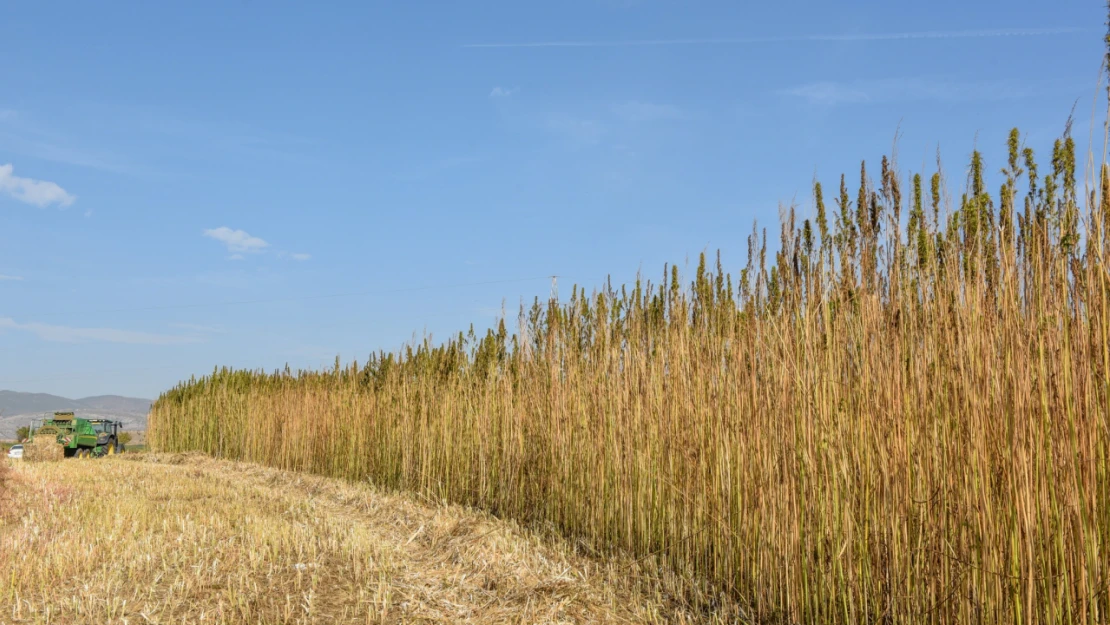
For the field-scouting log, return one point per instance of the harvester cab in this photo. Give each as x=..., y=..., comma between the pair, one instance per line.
x=107, y=435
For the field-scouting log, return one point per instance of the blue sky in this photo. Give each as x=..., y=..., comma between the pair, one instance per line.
x=180, y=186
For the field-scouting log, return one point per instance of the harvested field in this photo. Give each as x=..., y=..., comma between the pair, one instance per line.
x=187, y=539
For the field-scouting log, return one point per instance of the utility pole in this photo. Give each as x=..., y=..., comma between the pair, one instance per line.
x=555, y=288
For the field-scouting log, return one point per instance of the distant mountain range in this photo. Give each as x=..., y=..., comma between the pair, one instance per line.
x=17, y=409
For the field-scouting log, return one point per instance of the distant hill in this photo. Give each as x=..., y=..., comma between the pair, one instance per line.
x=115, y=403
x=15, y=403
x=17, y=409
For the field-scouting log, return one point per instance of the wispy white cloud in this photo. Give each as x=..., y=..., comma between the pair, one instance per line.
x=15, y=278
x=490, y=311
x=842, y=37
x=238, y=242
x=633, y=111
x=21, y=134
x=575, y=129
x=298, y=256
x=611, y=124
x=829, y=93
x=68, y=334
x=199, y=329
x=56, y=152
x=40, y=193
x=435, y=167
x=503, y=92
x=236, y=138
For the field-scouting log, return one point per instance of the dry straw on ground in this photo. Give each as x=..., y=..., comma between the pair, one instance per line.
x=186, y=539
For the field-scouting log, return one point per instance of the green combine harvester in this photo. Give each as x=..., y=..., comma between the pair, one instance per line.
x=74, y=437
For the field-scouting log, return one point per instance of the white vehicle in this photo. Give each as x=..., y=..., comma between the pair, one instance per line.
x=16, y=452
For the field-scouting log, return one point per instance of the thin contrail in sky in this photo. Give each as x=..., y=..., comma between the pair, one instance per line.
x=935, y=34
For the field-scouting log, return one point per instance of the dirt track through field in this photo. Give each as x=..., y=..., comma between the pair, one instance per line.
x=187, y=539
